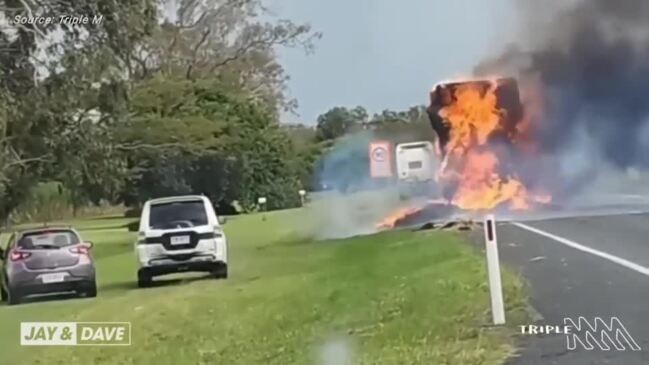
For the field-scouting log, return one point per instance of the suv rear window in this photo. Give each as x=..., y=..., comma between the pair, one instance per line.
x=178, y=215
x=47, y=239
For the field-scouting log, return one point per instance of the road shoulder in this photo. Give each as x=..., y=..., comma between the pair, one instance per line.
x=566, y=282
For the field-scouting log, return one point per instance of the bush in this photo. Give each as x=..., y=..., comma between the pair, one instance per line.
x=133, y=212
x=47, y=201
x=133, y=226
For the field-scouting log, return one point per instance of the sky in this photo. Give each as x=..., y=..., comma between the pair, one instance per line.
x=387, y=54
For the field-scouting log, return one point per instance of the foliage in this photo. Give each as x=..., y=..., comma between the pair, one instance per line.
x=343, y=163
x=211, y=141
x=232, y=41
x=338, y=121
x=63, y=88
x=144, y=96
x=167, y=97
x=47, y=202
x=307, y=152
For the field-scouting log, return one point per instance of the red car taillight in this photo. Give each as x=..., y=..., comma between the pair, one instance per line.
x=19, y=255
x=80, y=250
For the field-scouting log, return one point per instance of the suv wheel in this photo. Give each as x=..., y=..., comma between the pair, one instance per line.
x=143, y=279
x=221, y=272
x=13, y=297
x=3, y=293
x=91, y=292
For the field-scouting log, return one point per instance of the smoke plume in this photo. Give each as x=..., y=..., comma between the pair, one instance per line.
x=353, y=201
x=588, y=61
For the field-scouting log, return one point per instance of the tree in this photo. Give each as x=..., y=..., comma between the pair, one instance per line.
x=231, y=40
x=213, y=141
x=402, y=126
x=303, y=136
x=60, y=82
x=143, y=104
x=338, y=121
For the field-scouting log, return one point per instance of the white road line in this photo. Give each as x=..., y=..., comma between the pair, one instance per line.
x=607, y=256
x=630, y=196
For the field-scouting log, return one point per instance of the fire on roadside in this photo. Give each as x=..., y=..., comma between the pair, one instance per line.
x=432, y=208
x=481, y=126
x=391, y=220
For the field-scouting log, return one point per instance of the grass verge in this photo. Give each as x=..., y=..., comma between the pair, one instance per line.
x=390, y=298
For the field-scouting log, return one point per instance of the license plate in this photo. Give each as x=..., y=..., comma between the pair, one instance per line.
x=179, y=240
x=53, y=278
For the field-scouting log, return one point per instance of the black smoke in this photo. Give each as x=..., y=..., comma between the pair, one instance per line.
x=592, y=60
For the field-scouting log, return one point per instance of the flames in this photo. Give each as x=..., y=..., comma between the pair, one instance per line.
x=479, y=139
x=434, y=208
x=391, y=220
x=471, y=158
x=480, y=186
x=472, y=118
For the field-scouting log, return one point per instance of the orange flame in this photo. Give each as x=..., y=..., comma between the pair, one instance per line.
x=391, y=220
x=481, y=187
x=470, y=163
x=395, y=217
x=473, y=117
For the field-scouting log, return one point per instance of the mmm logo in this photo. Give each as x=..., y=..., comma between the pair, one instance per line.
x=599, y=334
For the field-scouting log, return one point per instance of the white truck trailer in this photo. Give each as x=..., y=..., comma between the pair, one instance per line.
x=416, y=166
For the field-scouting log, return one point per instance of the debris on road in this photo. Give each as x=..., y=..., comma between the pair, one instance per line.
x=417, y=215
x=452, y=225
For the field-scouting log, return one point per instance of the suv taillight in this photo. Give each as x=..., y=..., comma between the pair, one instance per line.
x=80, y=250
x=141, y=238
x=19, y=255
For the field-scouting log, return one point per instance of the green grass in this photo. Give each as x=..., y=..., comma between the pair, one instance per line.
x=391, y=298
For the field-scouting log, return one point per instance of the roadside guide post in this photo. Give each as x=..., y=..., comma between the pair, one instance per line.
x=302, y=195
x=262, y=204
x=493, y=269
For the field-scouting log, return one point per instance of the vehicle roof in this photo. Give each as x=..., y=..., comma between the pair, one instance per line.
x=414, y=143
x=180, y=198
x=473, y=80
x=25, y=231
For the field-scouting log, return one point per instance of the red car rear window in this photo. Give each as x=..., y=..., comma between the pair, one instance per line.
x=48, y=238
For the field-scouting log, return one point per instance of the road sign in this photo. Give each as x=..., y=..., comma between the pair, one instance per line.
x=380, y=159
x=379, y=154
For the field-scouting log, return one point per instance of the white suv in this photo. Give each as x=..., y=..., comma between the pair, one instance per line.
x=178, y=234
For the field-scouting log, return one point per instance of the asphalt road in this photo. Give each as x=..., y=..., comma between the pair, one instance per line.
x=595, y=266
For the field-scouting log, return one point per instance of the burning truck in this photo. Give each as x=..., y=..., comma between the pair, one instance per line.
x=481, y=128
